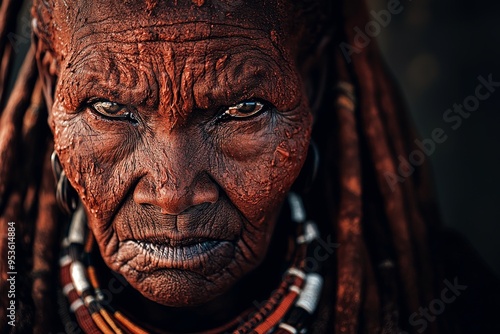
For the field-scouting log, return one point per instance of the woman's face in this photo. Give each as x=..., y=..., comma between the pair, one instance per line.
x=181, y=129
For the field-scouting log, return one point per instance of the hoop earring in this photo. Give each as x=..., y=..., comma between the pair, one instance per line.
x=309, y=171
x=66, y=196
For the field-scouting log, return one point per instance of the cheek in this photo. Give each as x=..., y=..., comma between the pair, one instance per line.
x=259, y=168
x=96, y=161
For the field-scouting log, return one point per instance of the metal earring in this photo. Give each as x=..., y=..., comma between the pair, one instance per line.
x=66, y=196
x=309, y=171
x=313, y=155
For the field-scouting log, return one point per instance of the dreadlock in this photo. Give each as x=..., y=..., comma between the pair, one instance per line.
x=382, y=270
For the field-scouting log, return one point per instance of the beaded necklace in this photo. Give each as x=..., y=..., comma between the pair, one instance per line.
x=289, y=309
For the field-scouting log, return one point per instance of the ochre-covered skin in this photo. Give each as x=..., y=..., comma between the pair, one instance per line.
x=175, y=174
x=184, y=202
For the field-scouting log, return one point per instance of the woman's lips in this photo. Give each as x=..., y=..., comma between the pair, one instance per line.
x=181, y=252
x=188, y=254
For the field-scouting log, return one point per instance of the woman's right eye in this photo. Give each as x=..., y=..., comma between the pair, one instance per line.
x=113, y=111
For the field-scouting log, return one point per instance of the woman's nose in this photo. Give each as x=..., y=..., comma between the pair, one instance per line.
x=177, y=196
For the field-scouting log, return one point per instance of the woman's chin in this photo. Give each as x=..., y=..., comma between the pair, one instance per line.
x=177, y=276
x=179, y=288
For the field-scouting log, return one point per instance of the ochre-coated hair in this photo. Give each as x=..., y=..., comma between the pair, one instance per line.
x=381, y=271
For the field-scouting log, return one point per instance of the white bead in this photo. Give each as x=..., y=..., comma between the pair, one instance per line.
x=77, y=272
x=295, y=289
x=296, y=272
x=67, y=288
x=89, y=299
x=288, y=328
x=310, y=233
x=78, y=226
x=309, y=297
x=64, y=261
x=297, y=208
x=76, y=305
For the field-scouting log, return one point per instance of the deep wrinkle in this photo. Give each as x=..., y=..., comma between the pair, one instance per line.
x=215, y=80
x=179, y=173
x=178, y=176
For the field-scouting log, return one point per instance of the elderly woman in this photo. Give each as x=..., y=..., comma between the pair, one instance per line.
x=221, y=166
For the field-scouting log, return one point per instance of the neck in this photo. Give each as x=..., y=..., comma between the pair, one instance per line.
x=237, y=304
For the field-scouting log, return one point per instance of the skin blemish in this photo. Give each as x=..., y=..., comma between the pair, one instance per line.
x=151, y=4
x=221, y=63
x=274, y=37
x=199, y=3
x=283, y=151
x=181, y=181
x=281, y=154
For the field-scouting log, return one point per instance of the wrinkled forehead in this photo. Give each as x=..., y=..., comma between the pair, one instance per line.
x=255, y=13
x=79, y=21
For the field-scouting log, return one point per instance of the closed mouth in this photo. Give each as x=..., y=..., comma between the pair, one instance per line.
x=180, y=251
x=192, y=254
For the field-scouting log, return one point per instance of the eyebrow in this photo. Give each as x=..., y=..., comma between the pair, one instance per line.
x=221, y=85
x=94, y=79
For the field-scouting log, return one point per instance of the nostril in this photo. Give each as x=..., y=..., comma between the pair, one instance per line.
x=174, y=200
x=208, y=196
x=205, y=190
x=142, y=196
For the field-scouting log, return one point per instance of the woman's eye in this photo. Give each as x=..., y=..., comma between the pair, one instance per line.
x=109, y=109
x=243, y=110
x=112, y=110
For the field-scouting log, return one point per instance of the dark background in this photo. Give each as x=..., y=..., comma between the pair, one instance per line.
x=436, y=50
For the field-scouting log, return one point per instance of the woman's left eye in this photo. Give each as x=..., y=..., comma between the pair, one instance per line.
x=112, y=110
x=243, y=110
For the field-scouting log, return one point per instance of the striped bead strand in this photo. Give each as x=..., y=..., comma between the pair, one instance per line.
x=297, y=320
x=295, y=300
